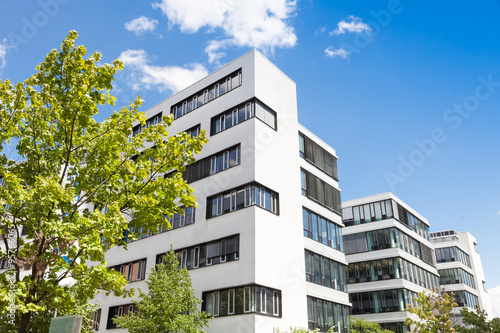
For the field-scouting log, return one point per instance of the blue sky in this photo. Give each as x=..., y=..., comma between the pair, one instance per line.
x=407, y=92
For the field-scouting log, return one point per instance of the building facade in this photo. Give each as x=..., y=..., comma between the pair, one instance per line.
x=460, y=270
x=264, y=245
x=391, y=259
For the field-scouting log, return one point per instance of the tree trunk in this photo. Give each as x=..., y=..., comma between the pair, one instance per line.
x=23, y=325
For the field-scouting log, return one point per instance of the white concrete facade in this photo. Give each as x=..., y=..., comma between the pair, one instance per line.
x=459, y=276
x=383, y=265
x=271, y=246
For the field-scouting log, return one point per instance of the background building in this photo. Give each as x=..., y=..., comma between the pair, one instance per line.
x=460, y=269
x=264, y=245
x=390, y=258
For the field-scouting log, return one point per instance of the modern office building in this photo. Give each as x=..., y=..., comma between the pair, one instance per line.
x=264, y=246
x=390, y=256
x=460, y=269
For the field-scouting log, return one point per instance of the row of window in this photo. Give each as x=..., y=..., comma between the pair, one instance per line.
x=207, y=254
x=465, y=298
x=156, y=119
x=375, y=211
x=451, y=254
x=322, y=230
x=177, y=221
x=386, y=239
x=456, y=275
x=212, y=164
x=133, y=271
x=324, y=314
x=413, y=222
x=240, y=113
x=244, y=299
x=383, y=210
x=318, y=190
x=241, y=197
x=206, y=95
x=391, y=300
x=391, y=268
x=325, y=271
x=395, y=327
x=318, y=156
x=118, y=311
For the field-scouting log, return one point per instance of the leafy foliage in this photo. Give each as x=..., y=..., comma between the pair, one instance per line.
x=477, y=322
x=70, y=164
x=364, y=326
x=170, y=305
x=433, y=312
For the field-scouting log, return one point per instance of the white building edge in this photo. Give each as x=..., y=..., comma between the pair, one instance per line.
x=460, y=269
x=244, y=244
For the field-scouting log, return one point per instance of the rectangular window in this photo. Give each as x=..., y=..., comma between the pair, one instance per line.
x=318, y=156
x=321, y=192
x=241, y=113
x=242, y=197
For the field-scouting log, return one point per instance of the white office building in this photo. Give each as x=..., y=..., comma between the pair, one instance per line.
x=264, y=246
x=460, y=269
x=390, y=256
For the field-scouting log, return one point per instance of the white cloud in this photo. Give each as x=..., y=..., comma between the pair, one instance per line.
x=354, y=25
x=3, y=54
x=145, y=76
x=141, y=25
x=261, y=24
x=494, y=296
x=331, y=52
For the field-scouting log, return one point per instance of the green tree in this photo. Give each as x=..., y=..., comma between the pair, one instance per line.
x=364, y=326
x=433, y=311
x=477, y=322
x=170, y=306
x=71, y=163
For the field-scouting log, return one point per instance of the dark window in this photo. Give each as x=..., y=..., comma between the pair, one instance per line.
x=242, y=299
x=207, y=254
x=318, y=156
x=330, y=233
x=326, y=272
x=118, y=311
x=324, y=315
x=240, y=113
x=321, y=192
x=241, y=197
x=156, y=119
x=210, y=165
x=133, y=271
x=207, y=94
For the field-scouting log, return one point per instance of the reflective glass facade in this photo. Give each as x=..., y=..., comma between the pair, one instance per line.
x=456, y=275
x=383, y=210
x=386, y=239
x=324, y=314
x=322, y=230
x=391, y=268
x=451, y=254
x=325, y=271
x=391, y=300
